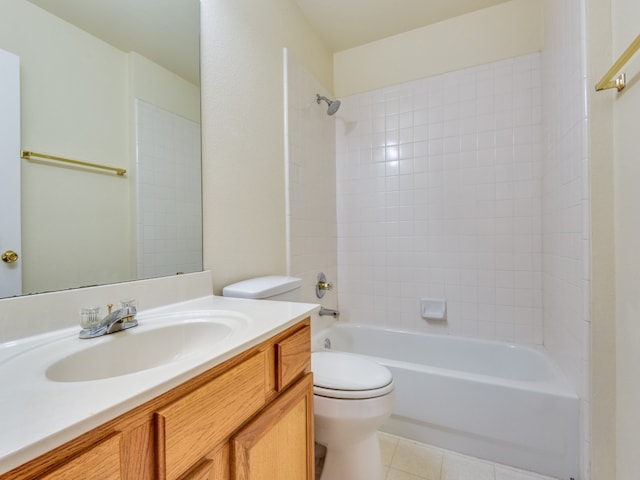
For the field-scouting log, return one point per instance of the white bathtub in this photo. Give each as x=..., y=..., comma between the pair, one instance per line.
x=501, y=402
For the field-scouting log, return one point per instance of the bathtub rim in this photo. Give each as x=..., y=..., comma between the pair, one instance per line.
x=558, y=384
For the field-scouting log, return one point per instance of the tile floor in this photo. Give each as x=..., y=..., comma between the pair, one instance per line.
x=408, y=460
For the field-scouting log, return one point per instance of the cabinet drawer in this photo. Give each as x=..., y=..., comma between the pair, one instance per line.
x=192, y=426
x=101, y=461
x=293, y=357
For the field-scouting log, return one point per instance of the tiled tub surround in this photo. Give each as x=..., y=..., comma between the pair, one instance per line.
x=439, y=196
x=494, y=400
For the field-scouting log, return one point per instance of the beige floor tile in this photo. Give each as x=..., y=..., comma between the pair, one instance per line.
x=418, y=459
x=459, y=467
x=400, y=475
x=408, y=460
x=388, y=445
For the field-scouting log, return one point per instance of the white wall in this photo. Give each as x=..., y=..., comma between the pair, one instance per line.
x=311, y=185
x=626, y=118
x=439, y=196
x=500, y=32
x=158, y=86
x=243, y=131
x=603, y=280
x=565, y=203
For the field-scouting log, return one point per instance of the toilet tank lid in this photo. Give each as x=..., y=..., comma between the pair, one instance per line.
x=262, y=287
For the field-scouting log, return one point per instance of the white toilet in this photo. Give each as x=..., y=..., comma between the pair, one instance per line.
x=353, y=396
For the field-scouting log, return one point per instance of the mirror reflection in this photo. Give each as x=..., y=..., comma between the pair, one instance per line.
x=111, y=83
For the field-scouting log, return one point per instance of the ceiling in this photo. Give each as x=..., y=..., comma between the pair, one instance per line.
x=344, y=24
x=165, y=31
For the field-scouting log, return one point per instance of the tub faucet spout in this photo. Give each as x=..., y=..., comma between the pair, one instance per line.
x=328, y=311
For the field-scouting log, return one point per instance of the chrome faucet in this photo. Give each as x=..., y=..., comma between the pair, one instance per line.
x=327, y=311
x=115, y=321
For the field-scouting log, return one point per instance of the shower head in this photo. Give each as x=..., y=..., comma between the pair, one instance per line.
x=333, y=105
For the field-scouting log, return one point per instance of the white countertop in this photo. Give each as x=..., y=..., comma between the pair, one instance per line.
x=38, y=414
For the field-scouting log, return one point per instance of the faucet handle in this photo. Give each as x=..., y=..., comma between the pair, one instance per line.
x=129, y=308
x=89, y=316
x=129, y=303
x=322, y=285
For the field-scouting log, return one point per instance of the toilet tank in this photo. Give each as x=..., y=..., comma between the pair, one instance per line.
x=272, y=287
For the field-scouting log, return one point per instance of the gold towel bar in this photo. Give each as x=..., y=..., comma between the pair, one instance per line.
x=26, y=154
x=619, y=82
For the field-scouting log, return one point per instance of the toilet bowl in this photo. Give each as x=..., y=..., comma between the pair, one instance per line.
x=353, y=397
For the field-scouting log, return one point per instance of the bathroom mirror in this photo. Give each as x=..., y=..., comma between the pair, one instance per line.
x=114, y=83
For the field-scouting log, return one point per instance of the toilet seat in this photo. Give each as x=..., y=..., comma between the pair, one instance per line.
x=349, y=376
x=352, y=394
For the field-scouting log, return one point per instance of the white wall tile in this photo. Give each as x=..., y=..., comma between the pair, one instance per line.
x=168, y=190
x=454, y=190
x=564, y=184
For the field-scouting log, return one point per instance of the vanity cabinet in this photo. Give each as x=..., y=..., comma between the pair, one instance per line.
x=276, y=444
x=249, y=418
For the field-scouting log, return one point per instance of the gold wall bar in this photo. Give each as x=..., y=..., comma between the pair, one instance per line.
x=619, y=82
x=26, y=154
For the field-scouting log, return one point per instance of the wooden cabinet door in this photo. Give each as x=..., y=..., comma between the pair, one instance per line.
x=278, y=444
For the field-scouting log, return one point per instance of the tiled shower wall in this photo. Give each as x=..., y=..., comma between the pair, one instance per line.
x=311, y=183
x=439, y=196
x=169, y=193
x=565, y=203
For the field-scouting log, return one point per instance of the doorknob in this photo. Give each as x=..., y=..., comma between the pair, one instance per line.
x=9, y=256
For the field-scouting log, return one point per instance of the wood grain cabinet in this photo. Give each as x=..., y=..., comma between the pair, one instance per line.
x=278, y=443
x=250, y=418
x=193, y=425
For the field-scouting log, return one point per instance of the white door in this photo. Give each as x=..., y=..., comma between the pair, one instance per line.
x=10, y=231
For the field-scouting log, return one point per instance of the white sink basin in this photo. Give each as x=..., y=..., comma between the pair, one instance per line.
x=155, y=342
